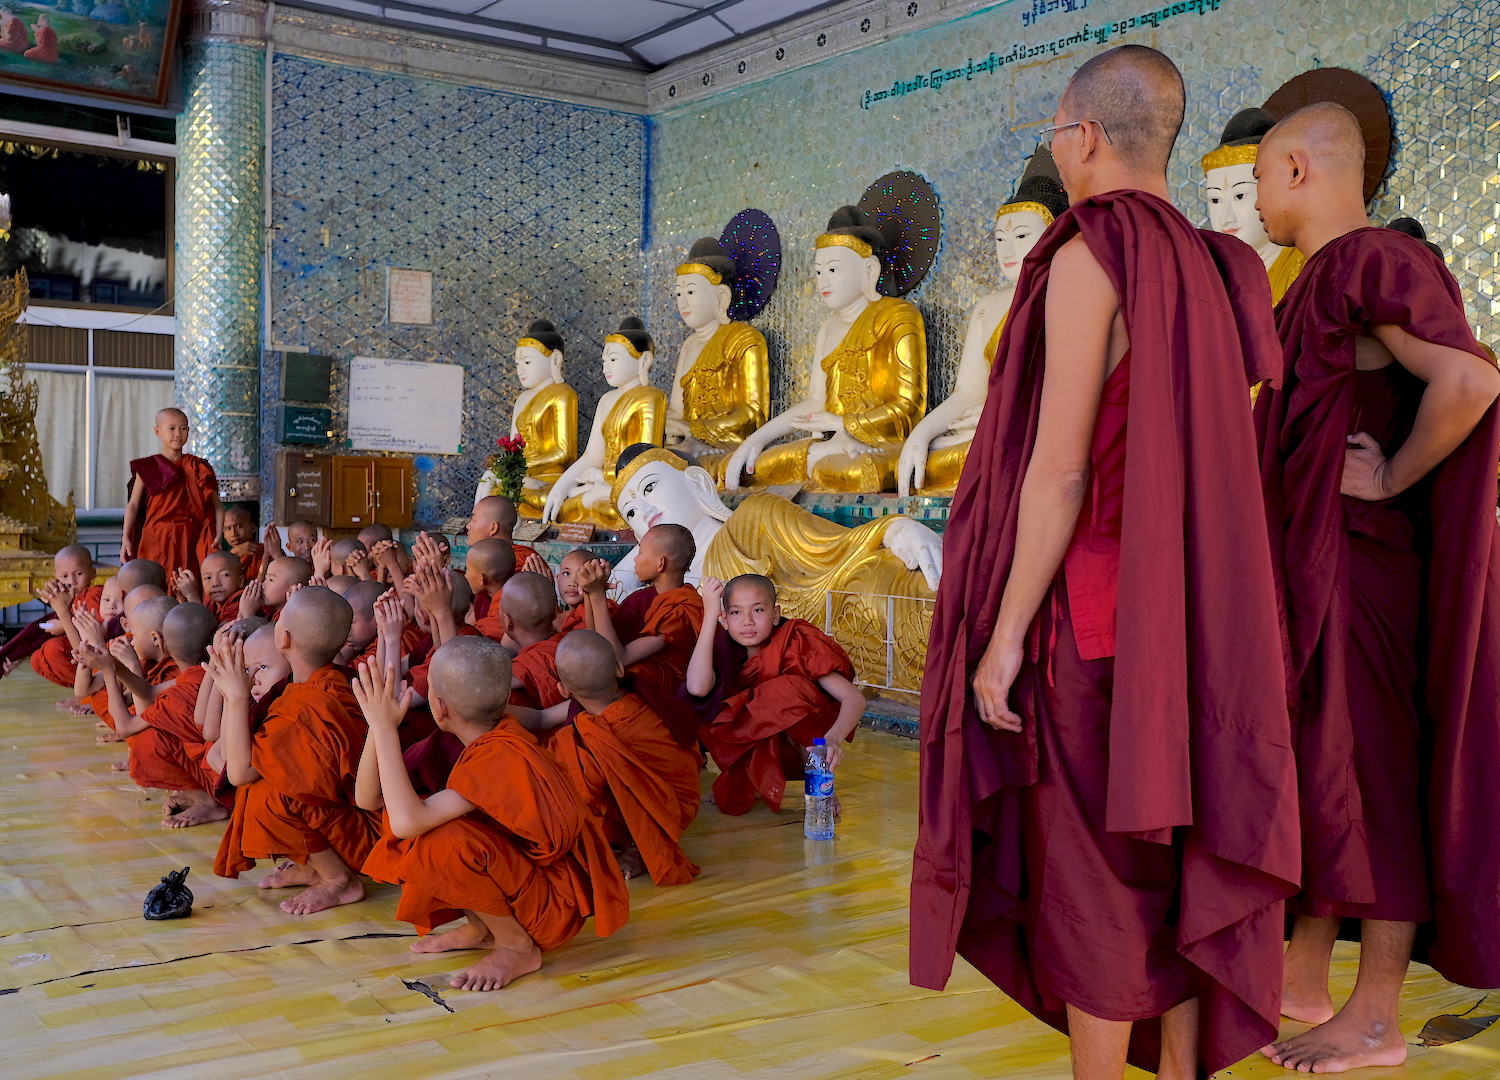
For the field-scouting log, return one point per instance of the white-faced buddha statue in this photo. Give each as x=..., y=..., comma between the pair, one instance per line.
x=721, y=392
x=1230, y=187
x=934, y=456
x=545, y=415
x=869, y=383
x=631, y=411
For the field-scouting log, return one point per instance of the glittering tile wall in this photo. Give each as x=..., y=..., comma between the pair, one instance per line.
x=809, y=141
x=522, y=208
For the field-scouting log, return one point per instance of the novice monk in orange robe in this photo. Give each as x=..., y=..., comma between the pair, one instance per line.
x=174, y=515
x=508, y=843
x=267, y=596
x=220, y=588
x=796, y=686
x=71, y=591
x=239, y=536
x=489, y=565
x=294, y=778
x=301, y=536
x=494, y=518
x=270, y=673
x=570, y=592
x=529, y=602
x=625, y=763
x=135, y=648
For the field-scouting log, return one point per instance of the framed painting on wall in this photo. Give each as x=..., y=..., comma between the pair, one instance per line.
x=122, y=50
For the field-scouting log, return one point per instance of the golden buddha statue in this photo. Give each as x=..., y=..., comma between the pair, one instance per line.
x=631, y=411
x=721, y=392
x=1231, y=187
x=934, y=456
x=545, y=415
x=872, y=351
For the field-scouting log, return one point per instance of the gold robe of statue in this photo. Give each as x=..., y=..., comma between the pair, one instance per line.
x=877, y=381
x=639, y=415
x=822, y=569
x=945, y=466
x=726, y=393
x=549, y=424
x=1284, y=271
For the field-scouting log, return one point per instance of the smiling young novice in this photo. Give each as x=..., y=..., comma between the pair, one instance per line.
x=626, y=764
x=796, y=685
x=239, y=537
x=508, y=842
x=294, y=778
x=174, y=515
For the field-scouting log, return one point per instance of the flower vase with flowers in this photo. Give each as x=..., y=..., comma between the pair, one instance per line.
x=508, y=466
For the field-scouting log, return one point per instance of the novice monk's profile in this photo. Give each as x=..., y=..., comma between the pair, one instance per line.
x=294, y=778
x=488, y=566
x=508, y=843
x=528, y=604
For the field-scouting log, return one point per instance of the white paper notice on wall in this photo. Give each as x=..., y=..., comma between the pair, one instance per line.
x=405, y=406
x=409, y=296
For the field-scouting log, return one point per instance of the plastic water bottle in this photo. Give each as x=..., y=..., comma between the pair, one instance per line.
x=817, y=822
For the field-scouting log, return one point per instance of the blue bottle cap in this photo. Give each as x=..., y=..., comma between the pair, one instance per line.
x=820, y=742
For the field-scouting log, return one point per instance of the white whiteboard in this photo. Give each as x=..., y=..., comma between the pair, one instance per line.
x=406, y=406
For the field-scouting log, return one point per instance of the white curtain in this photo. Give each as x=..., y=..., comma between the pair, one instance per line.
x=125, y=410
x=60, y=421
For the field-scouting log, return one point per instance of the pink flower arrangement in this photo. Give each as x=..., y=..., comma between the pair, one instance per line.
x=509, y=465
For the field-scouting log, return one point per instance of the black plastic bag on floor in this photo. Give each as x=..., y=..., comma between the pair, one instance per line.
x=171, y=899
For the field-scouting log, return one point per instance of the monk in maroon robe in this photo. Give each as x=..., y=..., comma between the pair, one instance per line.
x=1378, y=464
x=174, y=515
x=1108, y=819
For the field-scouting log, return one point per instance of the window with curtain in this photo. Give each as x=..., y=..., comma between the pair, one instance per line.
x=61, y=427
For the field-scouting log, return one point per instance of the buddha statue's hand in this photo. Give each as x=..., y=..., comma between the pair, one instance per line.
x=741, y=461
x=917, y=546
x=531, y=483
x=911, y=467
x=677, y=429
x=819, y=423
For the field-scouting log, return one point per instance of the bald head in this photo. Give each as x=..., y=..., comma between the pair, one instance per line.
x=150, y=614
x=361, y=596
x=494, y=515
x=74, y=553
x=314, y=624
x=493, y=559
x=342, y=583
x=188, y=630
x=342, y=549
x=222, y=560
x=139, y=595
x=243, y=628
x=531, y=600
x=747, y=587
x=143, y=572
x=1328, y=134
x=1310, y=169
x=463, y=593
x=471, y=678
x=587, y=664
x=674, y=543
x=1137, y=94
x=371, y=535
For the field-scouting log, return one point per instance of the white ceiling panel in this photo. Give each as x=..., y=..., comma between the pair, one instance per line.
x=747, y=15
x=610, y=20
x=688, y=38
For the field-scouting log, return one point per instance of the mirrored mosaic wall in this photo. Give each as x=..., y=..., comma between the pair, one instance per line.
x=807, y=142
x=521, y=208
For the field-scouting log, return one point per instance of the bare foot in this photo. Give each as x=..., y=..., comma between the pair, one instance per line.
x=81, y=710
x=7, y=666
x=631, y=863
x=1345, y=1042
x=102, y=726
x=120, y=766
x=69, y=702
x=499, y=968
x=324, y=895
x=467, y=936
x=1309, y=1004
x=188, y=808
x=109, y=737
x=288, y=874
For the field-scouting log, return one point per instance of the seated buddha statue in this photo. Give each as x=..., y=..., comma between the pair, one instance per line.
x=631, y=411
x=721, y=392
x=1230, y=186
x=934, y=455
x=808, y=557
x=545, y=415
x=872, y=355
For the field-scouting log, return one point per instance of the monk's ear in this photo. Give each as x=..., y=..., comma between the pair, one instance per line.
x=439, y=709
x=619, y=670
x=776, y=615
x=563, y=690
x=1299, y=168
x=283, y=638
x=723, y=620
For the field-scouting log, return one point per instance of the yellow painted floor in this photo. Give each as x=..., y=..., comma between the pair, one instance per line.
x=769, y=965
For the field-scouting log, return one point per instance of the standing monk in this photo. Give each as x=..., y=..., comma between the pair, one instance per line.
x=1108, y=796
x=174, y=515
x=1379, y=473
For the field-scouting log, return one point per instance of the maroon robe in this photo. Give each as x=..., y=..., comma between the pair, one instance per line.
x=1392, y=611
x=1191, y=743
x=177, y=521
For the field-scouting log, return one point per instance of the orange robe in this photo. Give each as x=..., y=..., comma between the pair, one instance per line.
x=530, y=849
x=252, y=561
x=575, y=619
x=490, y=624
x=178, y=529
x=54, y=660
x=156, y=673
x=523, y=552
x=631, y=772
x=303, y=803
x=776, y=710
x=171, y=752
x=536, y=668
x=675, y=615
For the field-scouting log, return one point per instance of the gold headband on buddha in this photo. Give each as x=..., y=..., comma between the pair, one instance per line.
x=1021, y=207
x=853, y=243
x=700, y=268
x=533, y=343
x=621, y=339
x=1226, y=156
x=646, y=457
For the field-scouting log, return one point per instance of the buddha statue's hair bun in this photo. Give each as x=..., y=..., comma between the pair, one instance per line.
x=710, y=253
x=1040, y=188
x=852, y=221
x=543, y=331
x=1247, y=127
x=634, y=331
x=1413, y=228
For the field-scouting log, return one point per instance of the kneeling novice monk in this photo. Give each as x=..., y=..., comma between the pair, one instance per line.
x=626, y=764
x=796, y=685
x=508, y=842
x=294, y=778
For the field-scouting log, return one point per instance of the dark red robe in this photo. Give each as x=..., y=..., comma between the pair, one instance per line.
x=1192, y=744
x=1392, y=611
x=177, y=527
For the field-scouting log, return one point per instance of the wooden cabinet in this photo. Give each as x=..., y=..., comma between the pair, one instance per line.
x=342, y=492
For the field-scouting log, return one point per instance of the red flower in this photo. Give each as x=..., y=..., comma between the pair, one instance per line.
x=511, y=444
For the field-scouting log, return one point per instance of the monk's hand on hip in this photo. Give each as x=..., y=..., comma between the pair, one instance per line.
x=997, y=672
x=1366, y=471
